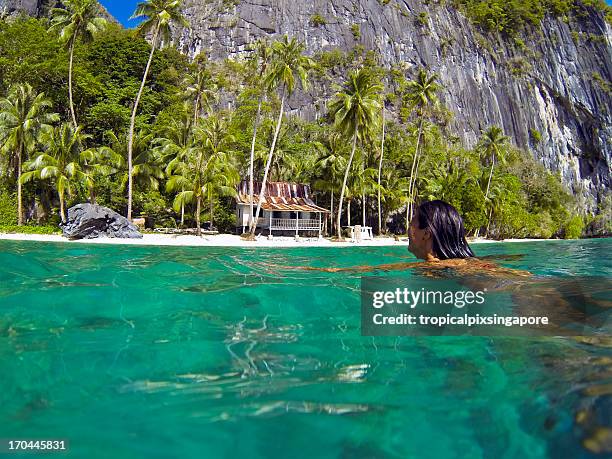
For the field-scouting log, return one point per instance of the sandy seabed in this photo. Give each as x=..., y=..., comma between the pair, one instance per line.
x=228, y=240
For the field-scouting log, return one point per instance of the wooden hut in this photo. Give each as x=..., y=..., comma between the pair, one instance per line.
x=286, y=208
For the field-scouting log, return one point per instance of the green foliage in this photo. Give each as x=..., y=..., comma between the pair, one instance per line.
x=317, y=20
x=29, y=54
x=356, y=31
x=523, y=199
x=225, y=216
x=605, y=85
x=8, y=208
x=422, y=18
x=333, y=59
x=597, y=38
x=574, y=227
x=30, y=229
x=601, y=225
x=536, y=136
x=152, y=204
x=518, y=66
x=520, y=44
x=512, y=16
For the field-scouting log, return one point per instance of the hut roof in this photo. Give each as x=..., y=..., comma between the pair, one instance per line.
x=280, y=196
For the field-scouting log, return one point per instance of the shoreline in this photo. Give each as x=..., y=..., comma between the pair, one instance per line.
x=231, y=240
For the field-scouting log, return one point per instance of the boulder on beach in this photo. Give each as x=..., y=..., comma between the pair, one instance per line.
x=90, y=221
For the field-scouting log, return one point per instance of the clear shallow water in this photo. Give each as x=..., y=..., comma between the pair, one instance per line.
x=213, y=352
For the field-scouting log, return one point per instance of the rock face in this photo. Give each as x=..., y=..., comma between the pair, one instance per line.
x=550, y=93
x=30, y=7
x=36, y=8
x=90, y=221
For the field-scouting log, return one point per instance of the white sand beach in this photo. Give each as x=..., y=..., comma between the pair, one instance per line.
x=230, y=240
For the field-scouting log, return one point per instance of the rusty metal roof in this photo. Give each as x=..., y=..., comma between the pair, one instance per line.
x=280, y=196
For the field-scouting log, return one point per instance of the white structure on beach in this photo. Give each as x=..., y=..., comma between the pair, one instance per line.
x=286, y=207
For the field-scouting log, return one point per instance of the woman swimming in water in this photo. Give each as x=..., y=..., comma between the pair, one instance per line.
x=436, y=233
x=437, y=236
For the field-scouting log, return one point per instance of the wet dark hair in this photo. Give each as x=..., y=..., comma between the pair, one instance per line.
x=446, y=227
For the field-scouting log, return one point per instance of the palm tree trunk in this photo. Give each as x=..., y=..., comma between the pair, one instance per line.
x=331, y=214
x=74, y=120
x=414, y=187
x=269, y=161
x=363, y=209
x=346, y=174
x=486, y=197
x=252, y=161
x=348, y=212
x=182, y=213
x=362, y=186
x=19, y=198
x=489, y=222
x=407, y=217
x=196, y=110
x=197, y=216
x=62, y=212
x=490, y=176
x=380, y=163
x=412, y=177
x=211, y=212
x=133, y=123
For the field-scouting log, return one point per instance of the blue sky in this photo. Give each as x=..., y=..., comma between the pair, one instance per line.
x=123, y=9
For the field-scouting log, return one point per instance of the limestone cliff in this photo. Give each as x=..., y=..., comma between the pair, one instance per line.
x=551, y=94
x=36, y=8
x=551, y=91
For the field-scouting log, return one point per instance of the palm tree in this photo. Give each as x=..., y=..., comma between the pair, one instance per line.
x=364, y=182
x=354, y=112
x=287, y=62
x=380, y=165
x=214, y=136
x=160, y=15
x=78, y=19
x=175, y=145
x=421, y=94
x=449, y=177
x=146, y=167
x=199, y=90
x=261, y=60
x=493, y=146
x=24, y=117
x=428, y=136
x=330, y=165
x=99, y=162
x=63, y=162
x=147, y=171
x=204, y=170
x=394, y=191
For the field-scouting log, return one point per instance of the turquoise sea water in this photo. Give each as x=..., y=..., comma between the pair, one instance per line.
x=165, y=352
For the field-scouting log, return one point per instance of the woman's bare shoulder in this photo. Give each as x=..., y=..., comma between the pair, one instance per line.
x=365, y=268
x=458, y=265
x=477, y=266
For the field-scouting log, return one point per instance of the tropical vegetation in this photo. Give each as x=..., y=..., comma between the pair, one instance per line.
x=92, y=112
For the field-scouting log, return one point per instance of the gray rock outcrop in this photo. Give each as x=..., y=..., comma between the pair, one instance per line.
x=37, y=8
x=90, y=221
x=550, y=90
